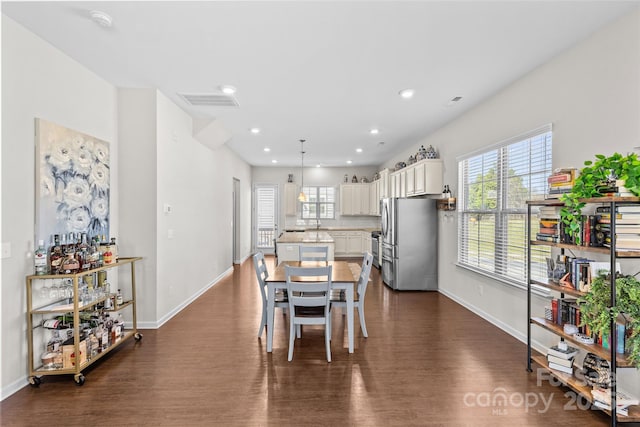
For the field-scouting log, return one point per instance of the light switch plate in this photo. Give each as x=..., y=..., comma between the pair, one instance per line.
x=6, y=250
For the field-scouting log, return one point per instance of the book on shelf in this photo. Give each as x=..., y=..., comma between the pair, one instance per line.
x=560, y=361
x=602, y=405
x=561, y=368
x=623, y=398
x=569, y=353
x=547, y=237
x=561, y=177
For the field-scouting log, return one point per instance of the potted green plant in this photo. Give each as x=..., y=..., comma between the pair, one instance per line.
x=597, y=312
x=595, y=176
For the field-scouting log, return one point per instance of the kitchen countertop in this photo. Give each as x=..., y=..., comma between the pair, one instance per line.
x=308, y=229
x=306, y=237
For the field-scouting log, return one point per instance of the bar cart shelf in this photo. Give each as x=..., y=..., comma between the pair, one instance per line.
x=42, y=307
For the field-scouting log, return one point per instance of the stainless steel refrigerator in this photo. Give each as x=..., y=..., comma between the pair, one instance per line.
x=409, y=243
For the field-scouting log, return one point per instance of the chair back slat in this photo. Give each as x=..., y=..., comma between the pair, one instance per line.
x=313, y=253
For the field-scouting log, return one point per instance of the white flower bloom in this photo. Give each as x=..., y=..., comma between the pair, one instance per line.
x=100, y=208
x=83, y=161
x=77, y=193
x=60, y=155
x=79, y=219
x=99, y=177
x=101, y=151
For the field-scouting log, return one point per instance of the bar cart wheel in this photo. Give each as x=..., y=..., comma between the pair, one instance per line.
x=138, y=336
x=35, y=381
x=79, y=379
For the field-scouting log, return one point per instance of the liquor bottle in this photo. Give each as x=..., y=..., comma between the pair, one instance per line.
x=40, y=259
x=85, y=256
x=70, y=264
x=55, y=258
x=119, y=299
x=107, y=256
x=114, y=250
x=120, y=322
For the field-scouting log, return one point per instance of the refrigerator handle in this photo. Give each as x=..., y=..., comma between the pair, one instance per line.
x=385, y=218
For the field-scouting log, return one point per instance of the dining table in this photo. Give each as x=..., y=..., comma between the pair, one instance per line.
x=344, y=276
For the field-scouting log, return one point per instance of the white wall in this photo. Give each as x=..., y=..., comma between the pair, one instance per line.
x=591, y=94
x=38, y=81
x=317, y=177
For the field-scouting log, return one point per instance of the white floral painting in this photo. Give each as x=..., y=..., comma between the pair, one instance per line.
x=72, y=182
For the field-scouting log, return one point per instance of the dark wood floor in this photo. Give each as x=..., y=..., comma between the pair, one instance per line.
x=427, y=362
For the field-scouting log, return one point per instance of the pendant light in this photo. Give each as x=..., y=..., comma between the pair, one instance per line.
x=302, y=197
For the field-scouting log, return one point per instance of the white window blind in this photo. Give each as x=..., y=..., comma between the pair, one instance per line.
x=320, y=204
x=494, y=186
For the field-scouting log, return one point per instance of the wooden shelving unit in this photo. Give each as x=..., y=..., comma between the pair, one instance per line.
x=615, y=360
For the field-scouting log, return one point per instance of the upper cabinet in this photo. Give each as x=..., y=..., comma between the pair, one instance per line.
x=421, y=178
x=290, y=199
x=384, y=185
x=354, y=199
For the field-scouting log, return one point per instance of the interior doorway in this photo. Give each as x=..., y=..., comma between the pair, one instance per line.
x=235, y=222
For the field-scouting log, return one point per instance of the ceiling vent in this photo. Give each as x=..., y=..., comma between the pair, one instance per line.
x=209, y=100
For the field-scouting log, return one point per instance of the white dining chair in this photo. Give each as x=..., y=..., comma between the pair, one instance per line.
x=309, y=302
x=338, y=298
x=314, y=253
x=281, y=296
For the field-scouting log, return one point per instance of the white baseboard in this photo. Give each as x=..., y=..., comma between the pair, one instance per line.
x=23, y=381
x=164, y=319
x=496, y=322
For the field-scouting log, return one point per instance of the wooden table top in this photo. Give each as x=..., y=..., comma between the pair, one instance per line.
x=342, y=271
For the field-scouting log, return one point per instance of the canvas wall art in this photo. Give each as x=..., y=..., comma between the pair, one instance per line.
x=72, y=182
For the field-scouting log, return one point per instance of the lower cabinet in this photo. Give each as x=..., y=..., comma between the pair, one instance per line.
x=349, y=243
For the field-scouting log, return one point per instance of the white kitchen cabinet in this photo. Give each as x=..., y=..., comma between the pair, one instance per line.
x=366, y=242
x=374, y=198
x=427, y=176
x=384, y=190
x=394, y=184
x=290, y=199
x=354, y=243
x=410, y=186
x=403, y=183
x=340, y=242
x=354, y=199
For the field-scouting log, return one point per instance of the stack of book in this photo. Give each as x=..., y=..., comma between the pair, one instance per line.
x=627, y=227
x=549, y=220
x=561, y=359
x=560, y=182
x=602, y=399
x=615, y=189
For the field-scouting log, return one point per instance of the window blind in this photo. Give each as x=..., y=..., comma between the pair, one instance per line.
x=320, y=203
x=494, y=186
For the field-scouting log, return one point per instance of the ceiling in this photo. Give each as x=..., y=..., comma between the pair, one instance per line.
x=327, y=72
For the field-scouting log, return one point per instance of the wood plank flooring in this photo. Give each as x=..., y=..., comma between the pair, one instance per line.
x=427, y=362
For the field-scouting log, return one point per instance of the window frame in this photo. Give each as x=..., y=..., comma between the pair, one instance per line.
x=330, y=205
x=507, y=261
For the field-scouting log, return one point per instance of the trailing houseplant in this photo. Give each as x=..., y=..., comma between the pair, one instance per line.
x=593, y=178
x=597, y=312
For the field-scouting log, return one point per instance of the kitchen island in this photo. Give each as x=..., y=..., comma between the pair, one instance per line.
x=289, y=243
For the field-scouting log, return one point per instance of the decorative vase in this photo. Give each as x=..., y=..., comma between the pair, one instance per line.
x=354, y=179
x=431, y=153
x=422, y=153
x=290, y=179
x=411, y=160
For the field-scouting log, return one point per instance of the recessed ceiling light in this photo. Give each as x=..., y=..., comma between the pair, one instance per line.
x=267, y=149
x=358, y=150
x=228, y=89
x=349, y=162
x=374, y=131
x=407, y=93
x=255, y=131
x=274, y=161
x=317, y=166
x=101, y=18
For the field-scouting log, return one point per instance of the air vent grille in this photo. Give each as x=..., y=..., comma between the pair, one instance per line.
x=209, y=100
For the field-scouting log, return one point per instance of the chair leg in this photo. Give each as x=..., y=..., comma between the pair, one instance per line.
x=291, y=340
x=363, y=325
x=263, y=322
x=298, y=331
x=327, y=338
